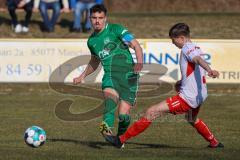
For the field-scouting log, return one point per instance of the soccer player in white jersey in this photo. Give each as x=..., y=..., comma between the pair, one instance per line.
x=191, y=89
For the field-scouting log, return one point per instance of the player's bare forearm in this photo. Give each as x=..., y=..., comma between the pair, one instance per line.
x=139, y=55
x=204, y=65
x=91, y=67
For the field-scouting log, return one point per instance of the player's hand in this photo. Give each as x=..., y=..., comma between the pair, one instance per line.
x=213, y=73
x=138, y=67
x=178, y=85
x=78, y=80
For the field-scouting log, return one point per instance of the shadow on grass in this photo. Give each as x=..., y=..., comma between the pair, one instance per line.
x=99, y=144
x=92, y=144
x=147, y=145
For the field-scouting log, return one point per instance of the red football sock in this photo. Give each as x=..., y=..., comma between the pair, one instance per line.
x=203, y=129
x=135, y=129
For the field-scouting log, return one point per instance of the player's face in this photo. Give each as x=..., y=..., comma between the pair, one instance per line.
x=179, y=41
x=98, y=20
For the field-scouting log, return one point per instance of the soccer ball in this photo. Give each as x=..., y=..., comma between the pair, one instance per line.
x=35, y=136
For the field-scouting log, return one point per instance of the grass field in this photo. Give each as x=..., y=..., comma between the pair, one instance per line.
x=23, y=105
x=154, y=25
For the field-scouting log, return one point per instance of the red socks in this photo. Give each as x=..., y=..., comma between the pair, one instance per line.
x=205, y=132
x=135, y=129
x=143, y=123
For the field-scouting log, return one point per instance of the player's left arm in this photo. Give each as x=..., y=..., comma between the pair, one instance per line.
x=203, y=64
x=134, y=44
x=130, y=40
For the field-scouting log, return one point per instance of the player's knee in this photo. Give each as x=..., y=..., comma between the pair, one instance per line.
x=112, y=97
x=110, y=94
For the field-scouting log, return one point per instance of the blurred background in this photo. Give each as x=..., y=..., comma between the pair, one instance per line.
x=146, y=19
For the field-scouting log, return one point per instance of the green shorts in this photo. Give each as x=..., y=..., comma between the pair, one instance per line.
x=126, y=84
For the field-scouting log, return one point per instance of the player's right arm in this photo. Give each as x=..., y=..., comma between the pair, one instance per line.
x=193, y=55
x=203, y=64
x=91, y=67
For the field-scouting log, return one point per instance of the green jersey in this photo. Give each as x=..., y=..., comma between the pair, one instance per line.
x=109, y=47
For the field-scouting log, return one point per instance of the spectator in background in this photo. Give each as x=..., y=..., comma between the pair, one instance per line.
x=27, y=5
x=80, y=7
x=44, y=5
x=99, y=1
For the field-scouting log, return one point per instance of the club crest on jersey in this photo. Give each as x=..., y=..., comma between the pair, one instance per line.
x=106, y=40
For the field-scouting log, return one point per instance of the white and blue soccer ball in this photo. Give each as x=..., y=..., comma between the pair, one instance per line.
x=35, y=136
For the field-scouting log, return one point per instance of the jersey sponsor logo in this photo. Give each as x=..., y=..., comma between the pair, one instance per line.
x=103, y=54
x=191, y=50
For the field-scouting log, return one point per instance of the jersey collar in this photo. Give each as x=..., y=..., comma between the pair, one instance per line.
x=98, y=34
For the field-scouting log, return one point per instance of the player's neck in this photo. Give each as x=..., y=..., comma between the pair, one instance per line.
x=187, y=40
x=99, y=31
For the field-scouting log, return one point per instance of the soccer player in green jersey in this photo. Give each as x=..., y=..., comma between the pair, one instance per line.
x=109, y=44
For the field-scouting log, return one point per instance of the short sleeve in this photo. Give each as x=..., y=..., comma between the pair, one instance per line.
x=123, y=33
x=90, y=48
x=191, y=51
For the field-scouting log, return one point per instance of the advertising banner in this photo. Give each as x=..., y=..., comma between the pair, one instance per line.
x=34, y=60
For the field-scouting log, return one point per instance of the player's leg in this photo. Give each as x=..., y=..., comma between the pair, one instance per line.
x=124, y=117
x=144, y=122
x=202, y=128
x=172, y=105
x=110, y=105
x=128, y=87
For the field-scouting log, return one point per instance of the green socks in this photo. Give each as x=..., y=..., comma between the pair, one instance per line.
x=124, y=121
x=108, y=116
x=109, y=111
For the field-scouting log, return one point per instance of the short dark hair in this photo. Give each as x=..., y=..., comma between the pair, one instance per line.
x=179, y=29
x=98, y=8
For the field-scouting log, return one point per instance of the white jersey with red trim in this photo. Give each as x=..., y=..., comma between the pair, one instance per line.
x=193, y=83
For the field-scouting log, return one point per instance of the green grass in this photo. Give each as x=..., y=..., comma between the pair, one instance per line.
x=153, y=25
x=23, y=105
